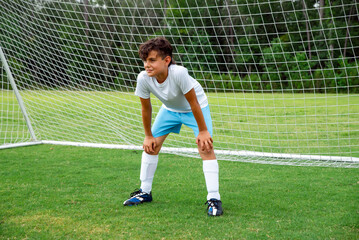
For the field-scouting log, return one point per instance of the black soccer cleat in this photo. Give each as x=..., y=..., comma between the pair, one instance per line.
x=138, y=197
x=214, y=207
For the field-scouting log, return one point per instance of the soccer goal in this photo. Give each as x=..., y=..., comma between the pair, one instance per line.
x=281, y=76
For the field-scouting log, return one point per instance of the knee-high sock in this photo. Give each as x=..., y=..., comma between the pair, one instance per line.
x=148, y=169
x=211, y=172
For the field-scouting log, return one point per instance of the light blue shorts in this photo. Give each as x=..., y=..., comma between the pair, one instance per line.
x=167, y=121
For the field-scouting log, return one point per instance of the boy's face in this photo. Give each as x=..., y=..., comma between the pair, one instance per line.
x=156, y=66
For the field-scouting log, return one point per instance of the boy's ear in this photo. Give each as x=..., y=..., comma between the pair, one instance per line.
x=168, y=59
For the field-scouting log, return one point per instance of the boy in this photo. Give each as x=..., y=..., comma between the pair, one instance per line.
x=184, y=102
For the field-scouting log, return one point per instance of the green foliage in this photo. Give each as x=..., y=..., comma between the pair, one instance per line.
x=247, y=56
x=252, y=82
x=341, y=77
x=23, y=77
x=96, y=47
x=197, y=52
x=348, y=76
x=4, y=83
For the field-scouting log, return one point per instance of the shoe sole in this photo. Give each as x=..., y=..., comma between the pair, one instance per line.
x=135, y=204
x=217, y=215
x=209, y=215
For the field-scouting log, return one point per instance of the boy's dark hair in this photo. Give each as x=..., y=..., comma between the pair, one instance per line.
x=159, y=44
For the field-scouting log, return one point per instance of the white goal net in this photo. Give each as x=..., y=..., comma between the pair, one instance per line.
x=282, y=76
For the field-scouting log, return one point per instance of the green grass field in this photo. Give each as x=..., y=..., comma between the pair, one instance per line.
x=311, y=124
x=59, y=192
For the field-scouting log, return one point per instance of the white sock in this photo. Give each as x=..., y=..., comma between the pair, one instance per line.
x=148, y=169
x=211, y=172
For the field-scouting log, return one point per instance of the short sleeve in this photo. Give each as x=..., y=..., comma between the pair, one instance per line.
x=184, y=80
x=141, y=88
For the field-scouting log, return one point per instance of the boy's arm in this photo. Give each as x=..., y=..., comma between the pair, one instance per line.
x=149, y=144
x=204, y=139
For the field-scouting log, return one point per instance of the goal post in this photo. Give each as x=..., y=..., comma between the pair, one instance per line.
x=282, y=77
x=15, y=126
x=17, y=94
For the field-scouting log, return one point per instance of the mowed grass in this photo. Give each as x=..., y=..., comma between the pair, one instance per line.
x=311, y=124
x=63, y=192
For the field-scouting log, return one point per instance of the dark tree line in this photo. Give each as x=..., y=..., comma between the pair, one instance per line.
x=228, y=45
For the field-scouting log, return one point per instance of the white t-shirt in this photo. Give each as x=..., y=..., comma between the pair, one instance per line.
x=171, y=92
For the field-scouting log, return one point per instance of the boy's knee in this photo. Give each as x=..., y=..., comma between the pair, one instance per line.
x=207, y=155
x=156, y=150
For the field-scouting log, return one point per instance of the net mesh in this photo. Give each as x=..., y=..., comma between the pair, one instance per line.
x=281, y=76
x=13, y=128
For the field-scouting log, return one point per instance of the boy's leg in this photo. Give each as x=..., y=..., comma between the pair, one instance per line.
x=210, y=164
x=149, y=165
x=211, y=173
x=165, y=123
x=148, y=168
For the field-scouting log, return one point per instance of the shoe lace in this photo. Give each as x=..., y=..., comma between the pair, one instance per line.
x=212, y=203
x=136, y=192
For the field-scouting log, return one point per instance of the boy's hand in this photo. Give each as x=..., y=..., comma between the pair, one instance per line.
x=149, y=144
x=204, y=141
